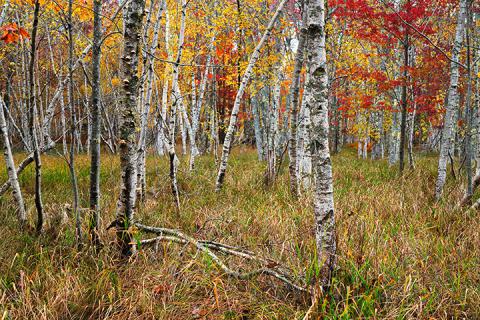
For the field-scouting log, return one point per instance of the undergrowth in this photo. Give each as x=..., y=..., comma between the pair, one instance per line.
x=401, y=255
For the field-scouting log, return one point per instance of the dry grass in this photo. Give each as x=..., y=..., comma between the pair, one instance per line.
x=401, y=255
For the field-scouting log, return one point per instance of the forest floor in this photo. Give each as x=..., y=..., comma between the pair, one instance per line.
x=401, y=255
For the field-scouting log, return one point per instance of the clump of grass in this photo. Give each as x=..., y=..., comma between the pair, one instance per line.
x=400, y=254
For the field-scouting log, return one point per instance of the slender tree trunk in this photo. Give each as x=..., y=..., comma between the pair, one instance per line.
x=238, y=99
x=295, y=89
x=11, y=170
x=31, y=119
x=403, y=125
x=469, y=117
x=6, y=6
x=73, y=128
x=452, y=102
x=133, y=15
x=142, y=147
x=317, y=102
x=96, y=119
x=258, y=129
x=176, y=100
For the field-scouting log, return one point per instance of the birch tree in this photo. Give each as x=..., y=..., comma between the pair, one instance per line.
x=227, y=145
x=317, y=102
x=11, y=170
x=452, y=101
x=96, y=118
x=31, y=119
x=133, y=15
x=150, y=65
x=295, y=89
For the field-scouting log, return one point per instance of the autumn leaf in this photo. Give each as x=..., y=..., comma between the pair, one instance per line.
x=12, y=33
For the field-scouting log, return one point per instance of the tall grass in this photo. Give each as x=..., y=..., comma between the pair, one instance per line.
x=401, y=255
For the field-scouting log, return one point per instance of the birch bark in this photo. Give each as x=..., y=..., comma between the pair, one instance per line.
x=96, y=119
x=11, y=170
x=452, y=101
x=133, y=15
x=317, y=103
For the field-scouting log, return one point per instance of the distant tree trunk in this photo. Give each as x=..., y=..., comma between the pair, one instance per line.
x=452, y=102
x=133, y=15
x=175, y=100
x=393, y=147
x=11, y=170
x=469, y=116
x=73, y=127
x=258, y=129
x=317, y=102
x=96, y=119
x=142, y=141
x=295, y=92
x=403, y=125
x=238, y=99
x=31, y=119
x=6, y=5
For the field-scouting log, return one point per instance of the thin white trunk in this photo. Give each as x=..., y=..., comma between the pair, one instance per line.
x=11, y=170
x=452, y=102
x=150, y=66
x=238, y=99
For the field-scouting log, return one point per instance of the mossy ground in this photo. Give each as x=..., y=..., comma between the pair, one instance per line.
x=401, y=255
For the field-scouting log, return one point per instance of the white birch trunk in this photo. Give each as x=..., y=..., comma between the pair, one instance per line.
x=11, y=170
x=150, y=66
x=238, y=99
x=317, y=103
x=452, y=102
x=133, y=15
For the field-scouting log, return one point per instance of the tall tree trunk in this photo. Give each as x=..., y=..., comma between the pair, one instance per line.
x=317, y=102
x=295, y=92
x=175, y=100
x=452, y=102
x=96, y=119
x=73, y=128
x=238, y=99
x=133, y=15
x=468, y=116
x=403, y=125
x=150, y=65
x=31, y=119
x=11, y=170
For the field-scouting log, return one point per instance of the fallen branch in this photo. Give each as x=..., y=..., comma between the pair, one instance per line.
x=205, y=246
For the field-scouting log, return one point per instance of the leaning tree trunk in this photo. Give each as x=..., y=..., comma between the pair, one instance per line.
x=11, y=170
x=133, y=15
x=96, y=118
x=317, y=101
x=452, y=102
x=238, y=99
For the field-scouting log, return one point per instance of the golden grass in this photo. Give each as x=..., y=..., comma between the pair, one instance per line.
x=401, y=255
